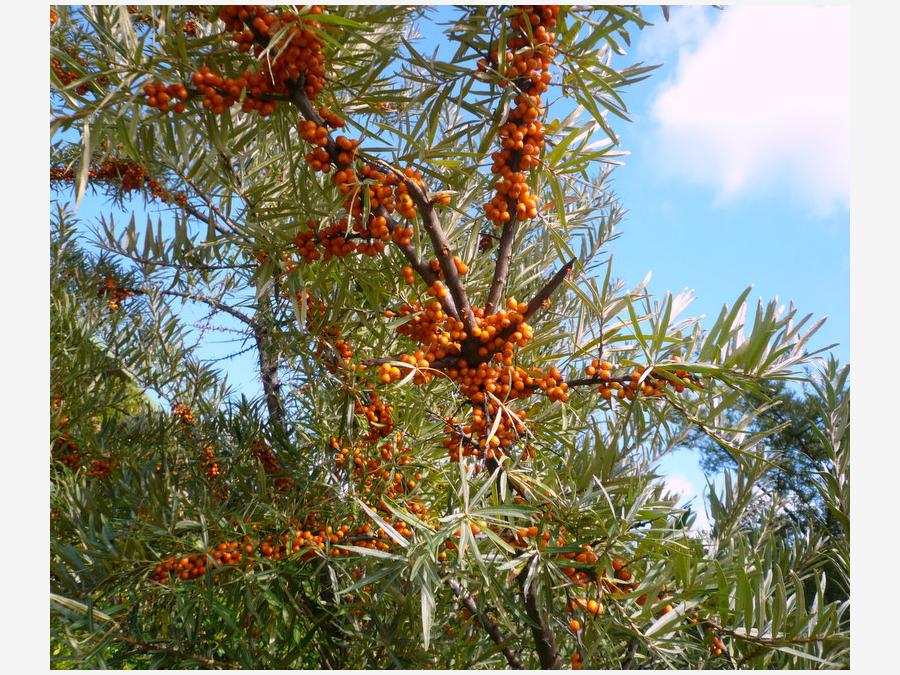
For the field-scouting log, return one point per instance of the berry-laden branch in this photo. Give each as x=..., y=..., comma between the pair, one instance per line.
x=474, y=347
x=457, y=303
x=295, y=73
x=522, y=137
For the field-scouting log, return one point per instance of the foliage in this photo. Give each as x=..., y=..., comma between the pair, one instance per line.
x=800, y=447
x=379, y=505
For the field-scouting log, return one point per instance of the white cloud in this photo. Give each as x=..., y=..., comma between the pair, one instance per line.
x=760, y=100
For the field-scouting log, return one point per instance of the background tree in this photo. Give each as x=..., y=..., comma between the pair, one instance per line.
x=449, y=463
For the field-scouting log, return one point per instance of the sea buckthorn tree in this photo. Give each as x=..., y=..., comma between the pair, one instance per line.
x=449, y=460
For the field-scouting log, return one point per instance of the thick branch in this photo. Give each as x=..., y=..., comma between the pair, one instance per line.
x=423, y=270
x=501, y=269
x=489, y=626
x=268, y=361
x=443, y=252
x=549, y=289
x=544, y=639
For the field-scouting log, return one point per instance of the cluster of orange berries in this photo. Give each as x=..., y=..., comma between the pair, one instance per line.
x=368, y=234
x=442, y=337
x=66, y=451
x=381, y=471
x=64, y=448
x=306, y=540
x=101, y=468
x=621, y=571
x=299, y=59
x=110, y=290
x=627, y=387
x=485, y=243
x=301, y=56
x=232, y=553
x=717, y=646
x=380, y=416
x=338, y=352
x=344, y=350
x=578, y=575
x=264, y=455
x=182, y=412
x=209, y=463
x=160, y=95
x=522, y=137
x=67, y=77
x=194, y=565
x=129, y=175
x=591, y=606
x=473, y=438
x=330, y=242
x=485, y=373
x=137, y=15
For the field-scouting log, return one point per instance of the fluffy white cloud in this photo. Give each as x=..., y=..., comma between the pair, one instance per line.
x=760, y=99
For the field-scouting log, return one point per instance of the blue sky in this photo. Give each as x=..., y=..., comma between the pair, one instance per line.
x=739, y=167
x=737, y=173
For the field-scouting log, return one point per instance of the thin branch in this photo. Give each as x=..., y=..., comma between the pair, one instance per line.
x=212, y=302
x=489, y=626
x=588, y=381
x=199, y=215
x=772, y=641
x=424, y=271
x=443, y=252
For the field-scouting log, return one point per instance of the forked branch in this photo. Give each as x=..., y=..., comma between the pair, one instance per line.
x=458, y=306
